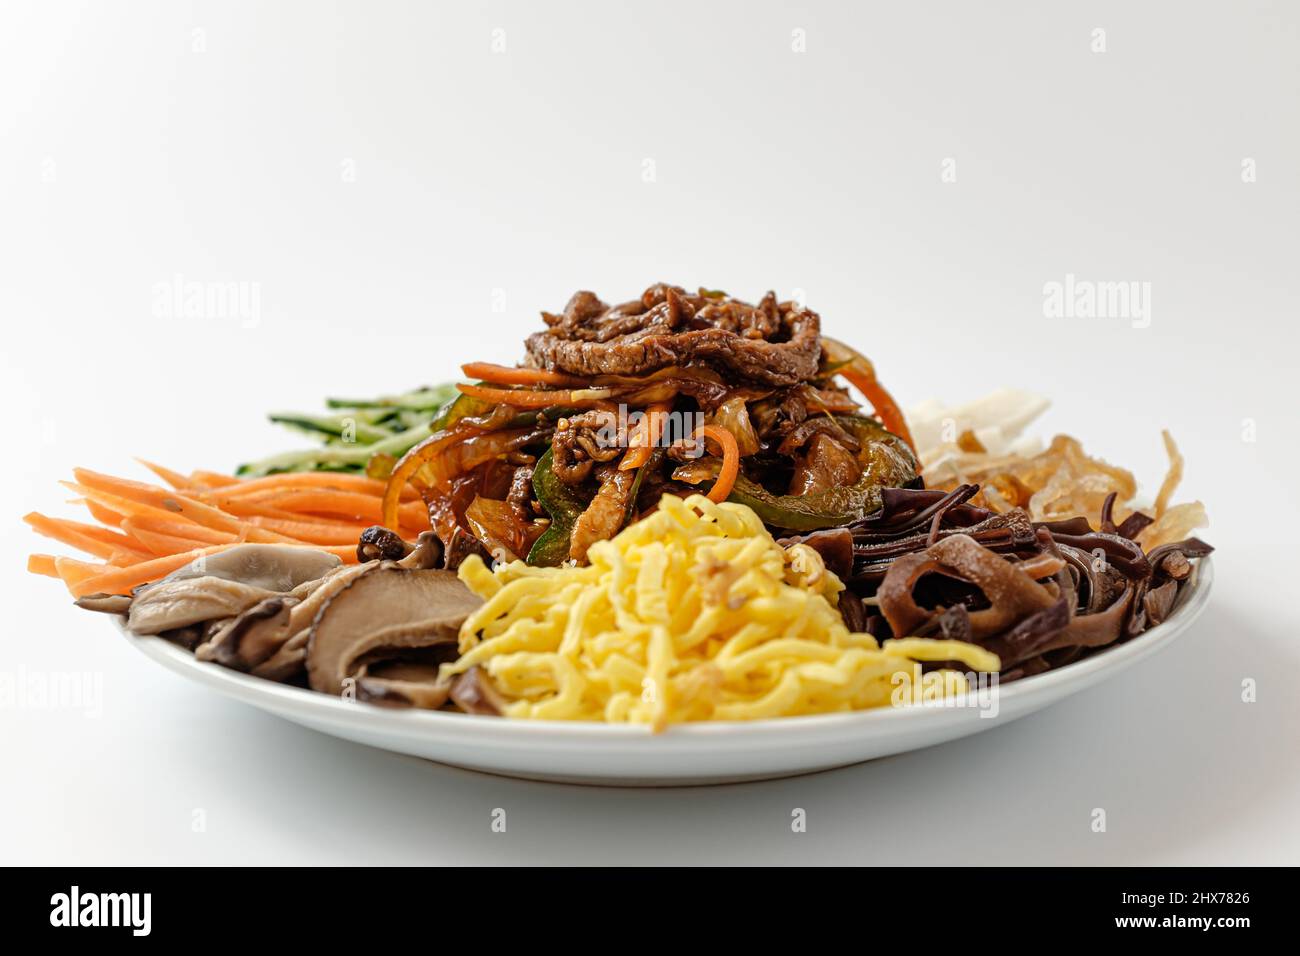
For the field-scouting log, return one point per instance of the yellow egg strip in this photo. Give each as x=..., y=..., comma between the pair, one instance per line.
x=693, y=613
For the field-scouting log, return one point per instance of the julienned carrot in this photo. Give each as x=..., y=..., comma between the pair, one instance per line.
x=250, y=507
x=127, y=488
x=161, y=545
x=213, y=479
x=105, y=516
x=529, y=398
x=891, y=416
x=304, y=480
x=641, y=444
x=345, y=504
x=70, y=534
x=180, y=506
x=73, y=572
x=42, y=564
x=122, y=580
x=312, y=533
x=104, y=535
x=505, y=375
x=730, y=461
x=178, y=528
x=174, y=478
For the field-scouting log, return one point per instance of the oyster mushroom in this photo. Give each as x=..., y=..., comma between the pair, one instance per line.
x=403, y=684
x=474, y=693
x=390, y=613
x=224, y=585
x=272, y=567
x=259, y=632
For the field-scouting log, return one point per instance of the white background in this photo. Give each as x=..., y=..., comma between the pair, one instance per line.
x=384, y=177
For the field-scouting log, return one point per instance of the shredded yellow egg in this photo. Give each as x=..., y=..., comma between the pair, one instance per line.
x=693, y=613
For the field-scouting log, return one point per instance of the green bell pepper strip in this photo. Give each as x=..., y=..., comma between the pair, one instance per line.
x=887, y=462
x=564, y=506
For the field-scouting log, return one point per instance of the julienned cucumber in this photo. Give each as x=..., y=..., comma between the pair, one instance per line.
x=362, y=428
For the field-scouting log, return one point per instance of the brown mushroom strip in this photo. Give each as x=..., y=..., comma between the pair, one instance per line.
x=474, y=693
x=225, y=584
x=1010, y=591
x=403, y=684
x=384, y=614
x=105, y=603
x=1158, y=602
x=378, y=543
x=246, y=644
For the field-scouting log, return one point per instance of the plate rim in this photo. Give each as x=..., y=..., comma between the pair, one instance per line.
x=414, y=722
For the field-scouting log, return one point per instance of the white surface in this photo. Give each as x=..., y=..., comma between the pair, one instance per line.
x=129, y=158
x=683, y=755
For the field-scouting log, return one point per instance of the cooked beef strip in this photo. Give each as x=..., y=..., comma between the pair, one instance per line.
x=605, y=515
x=826, y=464
x=521, y=493
x=583, y=441
x=776, y=344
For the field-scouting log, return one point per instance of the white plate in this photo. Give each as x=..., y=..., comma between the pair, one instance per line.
x=625, y=755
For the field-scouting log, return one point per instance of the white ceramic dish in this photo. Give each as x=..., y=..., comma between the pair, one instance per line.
x=690, y=754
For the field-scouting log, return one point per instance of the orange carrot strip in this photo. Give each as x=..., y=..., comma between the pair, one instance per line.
x=213, y=479
x=126, y=487
x=350, y=506
x=72, y=572
x=42, y=564
x=122, y=580
x=107, y=535
x=160, y=544
x=730, y=461
x=641, y=444
x=103, y=515
x=67, y=533
x=527, y=398
x=173, y=478
x=178, y=505
x=176, y=529
x=313, y=533
x=505, y=375
x=248, y=507
x=891, y=416
x=305, y=480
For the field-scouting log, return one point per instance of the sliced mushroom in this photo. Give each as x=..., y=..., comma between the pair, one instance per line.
x=175, y=604
x=384, y=614
x=288, y=663
x=426, y=554
x=225, y=584
x=258, y=633
x=272, y=567
x=266, y=623
x=381, y=544
x=474, y=693
x=105, y=603
x=403, y=684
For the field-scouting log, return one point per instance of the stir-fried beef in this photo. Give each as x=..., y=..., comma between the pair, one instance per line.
x=826, y=464
x=772, y=343
x=584, y=441
x=605, y=515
